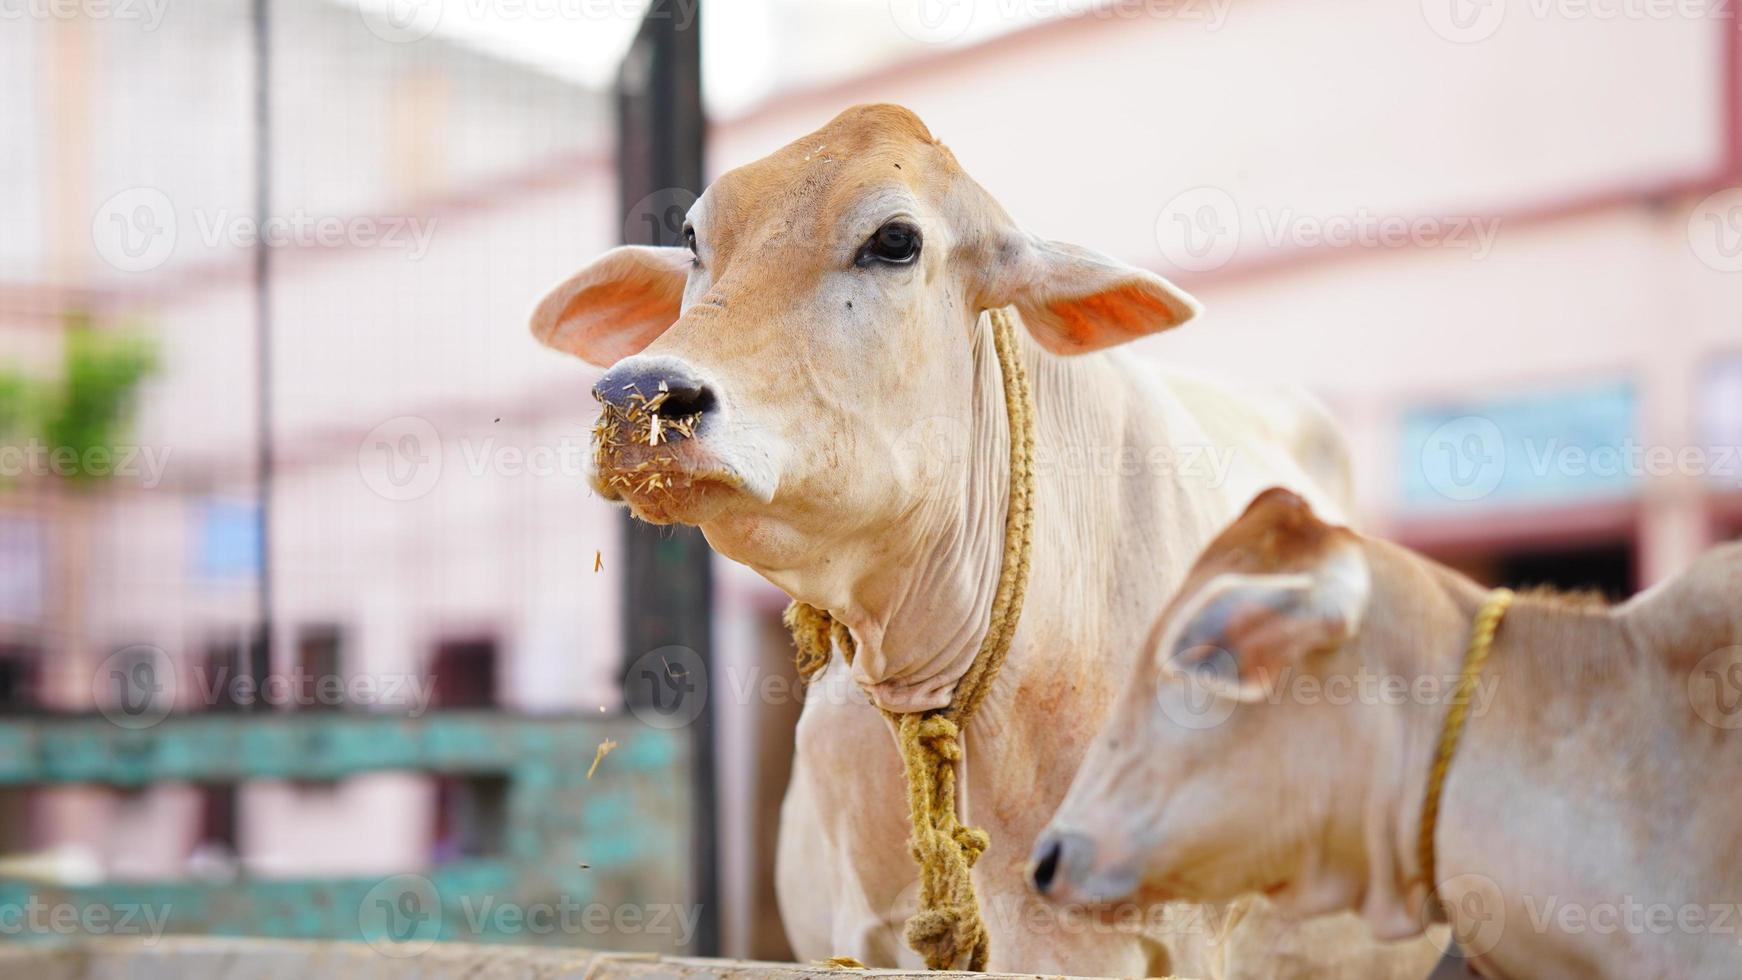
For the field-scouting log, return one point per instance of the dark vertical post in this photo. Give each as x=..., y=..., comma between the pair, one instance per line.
x=668, y=582
x=258, y=656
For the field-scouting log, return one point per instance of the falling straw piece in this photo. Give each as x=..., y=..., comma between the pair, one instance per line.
x=605, y=748
x=598, y=561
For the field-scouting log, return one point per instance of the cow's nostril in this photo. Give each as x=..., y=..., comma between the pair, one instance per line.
x=683, y=401
x=1046, y=863
x=663, y=387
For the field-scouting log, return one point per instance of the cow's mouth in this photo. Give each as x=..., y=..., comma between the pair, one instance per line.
x=659, y=464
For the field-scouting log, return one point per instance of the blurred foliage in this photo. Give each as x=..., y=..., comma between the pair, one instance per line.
x=89, y=405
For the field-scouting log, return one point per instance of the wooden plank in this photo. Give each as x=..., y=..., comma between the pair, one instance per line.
x=254, y=959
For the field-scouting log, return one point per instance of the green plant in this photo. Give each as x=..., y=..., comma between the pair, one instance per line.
x=89, y=406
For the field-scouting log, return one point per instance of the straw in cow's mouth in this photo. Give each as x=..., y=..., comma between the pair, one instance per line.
x=637, y=425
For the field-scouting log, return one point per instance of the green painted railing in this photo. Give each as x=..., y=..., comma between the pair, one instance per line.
x=601, y=862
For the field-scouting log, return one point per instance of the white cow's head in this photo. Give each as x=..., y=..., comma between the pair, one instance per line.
x=824, y=304
x=1216, y=776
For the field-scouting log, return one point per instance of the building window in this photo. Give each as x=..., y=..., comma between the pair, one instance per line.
x=318, y=676
x=20, y=675
x=465, y=674
x=235, y=669
x=471, y=815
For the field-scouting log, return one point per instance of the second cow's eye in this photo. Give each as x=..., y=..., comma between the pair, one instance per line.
x=896, y=243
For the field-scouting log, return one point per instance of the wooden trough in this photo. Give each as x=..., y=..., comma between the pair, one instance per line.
x=278, y=959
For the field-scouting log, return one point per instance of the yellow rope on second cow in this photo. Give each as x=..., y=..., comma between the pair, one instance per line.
x=948, y=928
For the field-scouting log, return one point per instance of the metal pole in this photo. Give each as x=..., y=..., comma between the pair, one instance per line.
x=258, y=660
x=668, y=580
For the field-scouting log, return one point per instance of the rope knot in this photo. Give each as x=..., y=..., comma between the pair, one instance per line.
x=940, y=736
x=973, y=841
x=941, y=935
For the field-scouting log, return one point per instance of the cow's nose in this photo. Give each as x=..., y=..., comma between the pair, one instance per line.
x=1059, y=855
x=666, y=384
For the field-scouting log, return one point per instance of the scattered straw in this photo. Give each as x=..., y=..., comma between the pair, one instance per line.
x=604, y=749
x=841, y=963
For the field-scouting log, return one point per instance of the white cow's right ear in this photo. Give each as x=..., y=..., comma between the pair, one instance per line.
x=1075, y=301
x=1243, y=631
x=615, y=306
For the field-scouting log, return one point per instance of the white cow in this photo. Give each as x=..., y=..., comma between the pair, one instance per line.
x=831, y=414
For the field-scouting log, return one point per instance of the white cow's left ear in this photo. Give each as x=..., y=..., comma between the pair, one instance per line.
x=1075, y=301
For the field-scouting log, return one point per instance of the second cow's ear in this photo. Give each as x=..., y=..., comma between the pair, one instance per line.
x=616, y=305
x=1245, y=631
x=1075, y=301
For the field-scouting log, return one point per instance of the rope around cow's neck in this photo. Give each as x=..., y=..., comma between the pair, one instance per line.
x=948, y=926
x=1482, y=631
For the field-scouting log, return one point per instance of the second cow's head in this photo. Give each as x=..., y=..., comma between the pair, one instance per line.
x=763, y=375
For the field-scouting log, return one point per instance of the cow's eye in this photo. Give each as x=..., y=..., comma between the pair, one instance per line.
x=896, y=243
x=689, y=239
